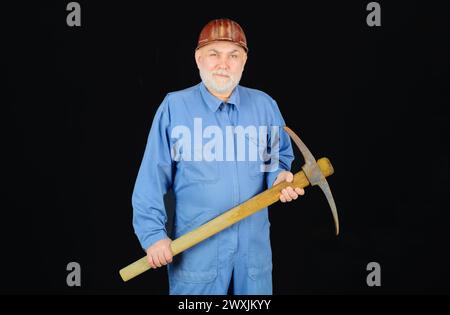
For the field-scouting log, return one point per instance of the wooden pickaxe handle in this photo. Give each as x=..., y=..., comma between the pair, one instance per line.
x=221, y=222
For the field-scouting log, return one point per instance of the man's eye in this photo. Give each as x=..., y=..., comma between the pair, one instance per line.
x=234, y=56
x=213, y=55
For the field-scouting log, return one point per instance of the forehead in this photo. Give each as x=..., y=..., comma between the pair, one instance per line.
x=223, y=47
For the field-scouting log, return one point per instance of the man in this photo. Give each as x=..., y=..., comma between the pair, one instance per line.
x=207, y=181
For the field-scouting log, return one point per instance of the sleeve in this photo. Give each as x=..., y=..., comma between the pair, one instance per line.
x=153, y=180
x=280, y=147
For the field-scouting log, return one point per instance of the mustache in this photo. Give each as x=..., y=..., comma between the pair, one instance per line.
x=221, y=72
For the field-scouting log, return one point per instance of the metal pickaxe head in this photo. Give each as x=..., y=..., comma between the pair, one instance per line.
x=314, y=174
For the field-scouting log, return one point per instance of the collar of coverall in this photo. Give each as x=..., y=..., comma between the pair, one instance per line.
x=214, y=102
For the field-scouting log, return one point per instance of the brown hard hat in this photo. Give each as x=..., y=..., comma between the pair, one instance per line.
x=222, y=30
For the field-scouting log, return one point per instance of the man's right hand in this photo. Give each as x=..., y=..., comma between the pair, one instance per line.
x=160, y=254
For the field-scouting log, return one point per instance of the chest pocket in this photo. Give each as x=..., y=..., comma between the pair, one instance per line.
x=200, y=171
x=254, y=169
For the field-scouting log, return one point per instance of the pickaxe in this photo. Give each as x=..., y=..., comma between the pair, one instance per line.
x=313, y=173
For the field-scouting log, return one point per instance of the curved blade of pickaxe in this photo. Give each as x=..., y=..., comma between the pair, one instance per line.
x=327, y=191
x=314, y=174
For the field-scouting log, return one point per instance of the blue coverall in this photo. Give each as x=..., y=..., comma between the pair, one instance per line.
x=205, y=189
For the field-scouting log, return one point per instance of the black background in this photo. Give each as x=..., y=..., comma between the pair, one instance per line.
x=78, y=104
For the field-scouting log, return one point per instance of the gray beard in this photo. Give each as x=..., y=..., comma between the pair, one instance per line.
x=210, y=83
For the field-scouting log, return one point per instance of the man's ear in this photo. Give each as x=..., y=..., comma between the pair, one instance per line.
x=245, y=59
x=197, y=57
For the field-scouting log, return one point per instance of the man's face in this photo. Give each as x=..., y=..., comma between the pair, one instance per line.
x=221, y=65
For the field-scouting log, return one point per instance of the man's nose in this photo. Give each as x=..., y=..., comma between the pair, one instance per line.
x=223, y=62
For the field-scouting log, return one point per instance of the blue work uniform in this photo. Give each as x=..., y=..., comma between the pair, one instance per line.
x=204, y=189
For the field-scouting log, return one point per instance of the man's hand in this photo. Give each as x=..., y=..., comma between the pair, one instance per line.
x=160, y=254
x=288, y=194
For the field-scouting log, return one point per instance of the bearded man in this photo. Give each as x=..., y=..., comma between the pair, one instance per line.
x=205, y=187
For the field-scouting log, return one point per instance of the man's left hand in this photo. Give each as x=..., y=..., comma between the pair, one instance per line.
x=288, y=194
